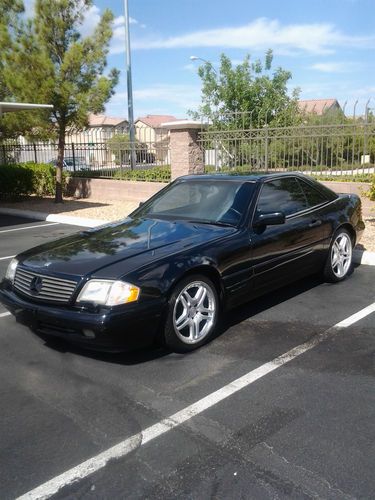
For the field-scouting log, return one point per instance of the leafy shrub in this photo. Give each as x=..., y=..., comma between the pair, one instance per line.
x=345, y=178
x=15, y=180
x=92, y=174
x=371, y=192
x=27, y=178
x=154, y=174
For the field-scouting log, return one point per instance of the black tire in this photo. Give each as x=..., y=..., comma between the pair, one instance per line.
x=202, y=309
x=334, y=271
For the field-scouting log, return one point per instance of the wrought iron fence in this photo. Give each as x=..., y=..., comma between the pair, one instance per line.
x=99, y=153
x=331, y=144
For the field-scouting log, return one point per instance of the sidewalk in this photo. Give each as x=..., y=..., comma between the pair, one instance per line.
x=73, y=207
x=92, y=213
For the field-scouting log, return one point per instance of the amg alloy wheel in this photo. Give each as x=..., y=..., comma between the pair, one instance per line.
x=339, y=261
x=193, y=311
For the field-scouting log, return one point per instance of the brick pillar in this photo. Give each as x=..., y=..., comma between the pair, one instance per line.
x=187, y=154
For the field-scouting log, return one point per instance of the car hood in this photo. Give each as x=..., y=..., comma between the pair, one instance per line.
x=130, y=240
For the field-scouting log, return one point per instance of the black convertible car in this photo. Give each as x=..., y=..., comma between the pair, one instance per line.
x=201, y=245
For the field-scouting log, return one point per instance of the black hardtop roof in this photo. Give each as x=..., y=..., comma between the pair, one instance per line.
x=239, y=177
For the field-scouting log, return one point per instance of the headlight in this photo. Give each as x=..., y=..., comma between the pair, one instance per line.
x=11, y=271
x=108, y=292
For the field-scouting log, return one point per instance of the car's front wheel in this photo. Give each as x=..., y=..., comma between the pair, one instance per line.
x=339, y=260
x=192, y=314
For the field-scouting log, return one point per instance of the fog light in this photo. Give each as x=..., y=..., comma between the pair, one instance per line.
x=89, y=333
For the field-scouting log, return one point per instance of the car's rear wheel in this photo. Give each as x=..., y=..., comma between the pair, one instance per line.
x=192, y=314
x=339, y=260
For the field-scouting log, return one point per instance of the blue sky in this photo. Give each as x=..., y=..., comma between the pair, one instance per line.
x=328, y=45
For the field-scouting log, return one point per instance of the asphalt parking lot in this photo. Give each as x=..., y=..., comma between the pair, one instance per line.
x=76, y=424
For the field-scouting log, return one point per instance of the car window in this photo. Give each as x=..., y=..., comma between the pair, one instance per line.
x=313, y=196
x=283, y=195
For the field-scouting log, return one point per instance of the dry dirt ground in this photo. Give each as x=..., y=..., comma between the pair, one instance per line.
x=117, y=210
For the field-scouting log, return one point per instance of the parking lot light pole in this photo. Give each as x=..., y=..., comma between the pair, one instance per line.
x=133, y=158
x=196, y=58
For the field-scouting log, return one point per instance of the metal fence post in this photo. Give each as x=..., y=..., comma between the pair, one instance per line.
x=4, y=159
x=266, y=149
x=365, y=134
x=74, y=157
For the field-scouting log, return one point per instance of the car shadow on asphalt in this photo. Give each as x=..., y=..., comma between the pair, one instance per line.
x=230, y=319
x=272, y=299
x=7, y=220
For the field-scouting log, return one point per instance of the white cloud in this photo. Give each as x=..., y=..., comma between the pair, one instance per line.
x=29, y=7
x=90, y=21
x=333, y=67
x=118, y=39
x=118, y=21
x=184, y=96
x=314, y=38
x=160, y=98
x=190, y=67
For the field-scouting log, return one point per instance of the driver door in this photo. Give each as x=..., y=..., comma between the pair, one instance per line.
x=284, y=252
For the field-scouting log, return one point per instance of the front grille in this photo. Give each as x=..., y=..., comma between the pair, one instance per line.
x=48, y=287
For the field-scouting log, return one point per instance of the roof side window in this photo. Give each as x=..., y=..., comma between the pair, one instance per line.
x=313, y=196
x=282, y=195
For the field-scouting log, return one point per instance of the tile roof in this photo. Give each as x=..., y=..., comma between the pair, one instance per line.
x=103, y=120
x=317, y=106
x=155, y=121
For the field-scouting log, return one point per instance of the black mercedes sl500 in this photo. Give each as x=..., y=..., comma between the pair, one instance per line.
x=201, y=245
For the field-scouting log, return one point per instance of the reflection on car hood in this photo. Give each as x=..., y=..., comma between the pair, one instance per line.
x=92, y=250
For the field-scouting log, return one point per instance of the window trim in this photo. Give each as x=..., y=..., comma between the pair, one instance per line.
x=278, y=179
x=296, y=214
x=302, y=182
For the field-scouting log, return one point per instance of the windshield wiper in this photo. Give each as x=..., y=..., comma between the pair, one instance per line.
x=212, y=223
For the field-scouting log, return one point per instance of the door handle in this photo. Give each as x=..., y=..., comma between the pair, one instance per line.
x=315, y=223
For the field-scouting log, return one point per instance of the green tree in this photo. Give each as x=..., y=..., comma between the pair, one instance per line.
x=120, y=147
x=9, y=10
x=47, y=60
x=12, y=124
x=246, y=94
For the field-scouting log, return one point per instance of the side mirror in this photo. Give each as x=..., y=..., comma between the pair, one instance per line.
x=269, y=219
x=141, y=203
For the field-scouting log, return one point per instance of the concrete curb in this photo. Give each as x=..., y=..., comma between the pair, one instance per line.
x=359, y=256
x=63, y=219
x=364, y=257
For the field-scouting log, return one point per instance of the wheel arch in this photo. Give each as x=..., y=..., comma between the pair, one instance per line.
x=351, y=231
x=205, y=270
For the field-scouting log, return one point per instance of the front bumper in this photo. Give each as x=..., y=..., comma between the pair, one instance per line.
x=126, y=328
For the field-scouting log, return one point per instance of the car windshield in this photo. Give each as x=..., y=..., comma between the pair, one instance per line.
x=74, y=161
x=213, y=201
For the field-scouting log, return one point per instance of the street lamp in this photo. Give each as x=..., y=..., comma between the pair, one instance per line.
x=133, y=159
x=196, y=58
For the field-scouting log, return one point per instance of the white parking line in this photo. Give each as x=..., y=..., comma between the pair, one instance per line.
x=28, y=227
x=2, y=315
x=9, y=257
x=125, y=447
